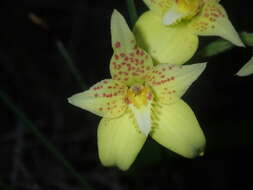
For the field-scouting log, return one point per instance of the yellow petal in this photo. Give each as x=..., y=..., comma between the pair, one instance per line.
x=130, y=63
x=122, y=37
x=177, y=128
x=213, y=21
x=247, y=69
x=158, y=5
x=105, y=99
x=166, y=44
x=119, y=141
x=170, y=82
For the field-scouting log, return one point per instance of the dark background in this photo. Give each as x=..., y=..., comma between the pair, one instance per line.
x=34, y=75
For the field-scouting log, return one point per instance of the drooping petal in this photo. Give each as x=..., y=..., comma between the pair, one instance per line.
x=119, y=141
x=247, y=69
x=106, y=99
x=170, y=82
x=130, y=63
x=174, y=45
x=177, y=128
x=213, y=21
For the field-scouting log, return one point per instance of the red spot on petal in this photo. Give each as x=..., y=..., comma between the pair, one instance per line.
x=117, y=44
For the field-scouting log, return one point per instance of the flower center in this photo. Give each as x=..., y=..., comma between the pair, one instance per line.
x=189, y=7
x=182, y=10
x=139, y=95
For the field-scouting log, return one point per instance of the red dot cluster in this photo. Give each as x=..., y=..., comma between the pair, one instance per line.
x=212, y=12
x=126, y=66
x=109, y=91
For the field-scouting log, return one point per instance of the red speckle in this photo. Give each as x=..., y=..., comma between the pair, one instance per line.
x=116, y=57
x=122, y=55
x=150, y=96
x=117, y=44
x=127, y=101
x=101, y=109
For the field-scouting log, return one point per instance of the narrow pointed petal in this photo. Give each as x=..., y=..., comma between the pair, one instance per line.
x=119, y=141
x=177, y=129
x=213, y=21
x=246, y=70
x=170, y=82
x=105, y=99
x=122, y=37
x=174, y=45
x=130, y=63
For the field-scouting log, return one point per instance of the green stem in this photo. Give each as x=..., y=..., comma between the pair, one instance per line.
x=43, y=140
x=247, y=38
x=132, y=11
x=70, y=64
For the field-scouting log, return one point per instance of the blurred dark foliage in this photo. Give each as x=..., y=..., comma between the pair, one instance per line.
x=34, y=75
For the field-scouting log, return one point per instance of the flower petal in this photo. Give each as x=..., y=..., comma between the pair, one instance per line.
x=142, y=117
x=213, y=20
x=170, y=82
x=105, y=99
x=174, y=45
x=247, y=69
x=158, y=5
x=173, y=16
x=177, y=128
x=130, y=63
x=122, y=37
x=119, y=141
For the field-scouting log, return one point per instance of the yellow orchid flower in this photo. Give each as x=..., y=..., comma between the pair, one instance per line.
x=169, y=31
x=247, y=69
x=141, y=100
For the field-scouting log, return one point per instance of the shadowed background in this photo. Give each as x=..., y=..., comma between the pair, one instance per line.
x=35, y=76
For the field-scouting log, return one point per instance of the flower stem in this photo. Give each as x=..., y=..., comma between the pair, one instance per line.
x=247, y=38
x=69, y=62
x=132, y=11
x=43, y=140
